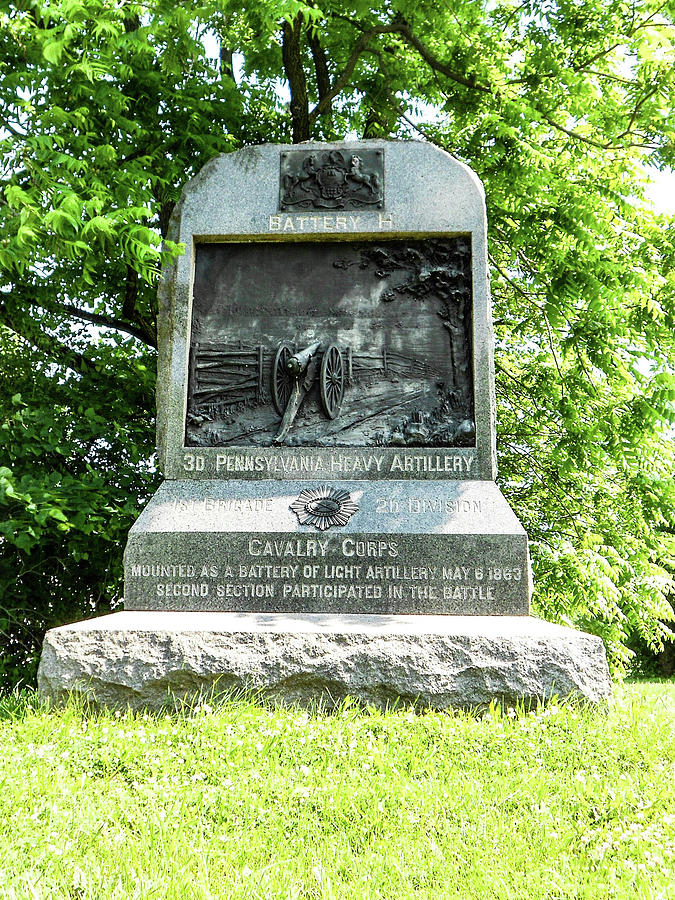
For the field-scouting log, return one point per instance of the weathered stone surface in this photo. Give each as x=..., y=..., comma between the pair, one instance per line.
x=374, y=251
x=235, y=200
x=408, y=548
x=151, y=660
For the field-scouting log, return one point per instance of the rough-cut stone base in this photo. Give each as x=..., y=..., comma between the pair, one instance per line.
x=153, y=659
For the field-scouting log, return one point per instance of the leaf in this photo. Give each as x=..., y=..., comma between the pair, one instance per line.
x=52, y=51
x=57, y=514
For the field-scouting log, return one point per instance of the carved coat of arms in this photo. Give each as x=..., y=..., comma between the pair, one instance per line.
x=331, y=179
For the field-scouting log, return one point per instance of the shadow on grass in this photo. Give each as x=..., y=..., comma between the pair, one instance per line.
x=240, y=701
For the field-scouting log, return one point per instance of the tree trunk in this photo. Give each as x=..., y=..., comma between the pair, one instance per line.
x=297, y=82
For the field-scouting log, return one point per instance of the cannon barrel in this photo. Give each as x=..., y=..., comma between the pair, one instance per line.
x=300, y=360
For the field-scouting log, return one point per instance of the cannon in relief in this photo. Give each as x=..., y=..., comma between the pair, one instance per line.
x=294, y=375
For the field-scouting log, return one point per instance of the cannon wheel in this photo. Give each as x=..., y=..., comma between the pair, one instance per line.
x=332, y=381
x=282, y=380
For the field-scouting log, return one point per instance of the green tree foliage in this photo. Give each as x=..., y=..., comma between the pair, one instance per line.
x=109, y=107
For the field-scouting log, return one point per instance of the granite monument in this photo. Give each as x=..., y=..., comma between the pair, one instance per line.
x=329, y=522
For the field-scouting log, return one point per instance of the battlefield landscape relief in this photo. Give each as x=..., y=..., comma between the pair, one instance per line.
x=332, y=344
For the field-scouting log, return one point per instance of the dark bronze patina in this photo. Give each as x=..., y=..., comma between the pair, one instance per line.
x=331, y=179
x=294, y=375
x=332, y=344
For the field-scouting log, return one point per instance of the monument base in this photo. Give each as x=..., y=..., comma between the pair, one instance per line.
x=153, y=660
x=407, y=548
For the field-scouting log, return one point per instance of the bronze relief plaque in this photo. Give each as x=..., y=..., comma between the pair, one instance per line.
x=332, y=344
x=331, y=179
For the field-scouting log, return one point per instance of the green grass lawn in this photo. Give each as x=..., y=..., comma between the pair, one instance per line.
x=244, y=801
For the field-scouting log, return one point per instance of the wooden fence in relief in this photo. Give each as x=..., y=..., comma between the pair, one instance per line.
x=224, y=375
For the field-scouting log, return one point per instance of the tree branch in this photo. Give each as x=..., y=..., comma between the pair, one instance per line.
x=226, y=57
x=540, y=309
x=404, y=31
x=51, y=347
x=575, y=135
x=141, y=331
x=320, y=62
x=13, y=130
x=439, y=66
x=636, y=110
x=130, y=293
x=108, y=322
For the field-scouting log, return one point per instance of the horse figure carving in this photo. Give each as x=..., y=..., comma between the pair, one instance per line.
x=372, y=182
x=308, y=173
